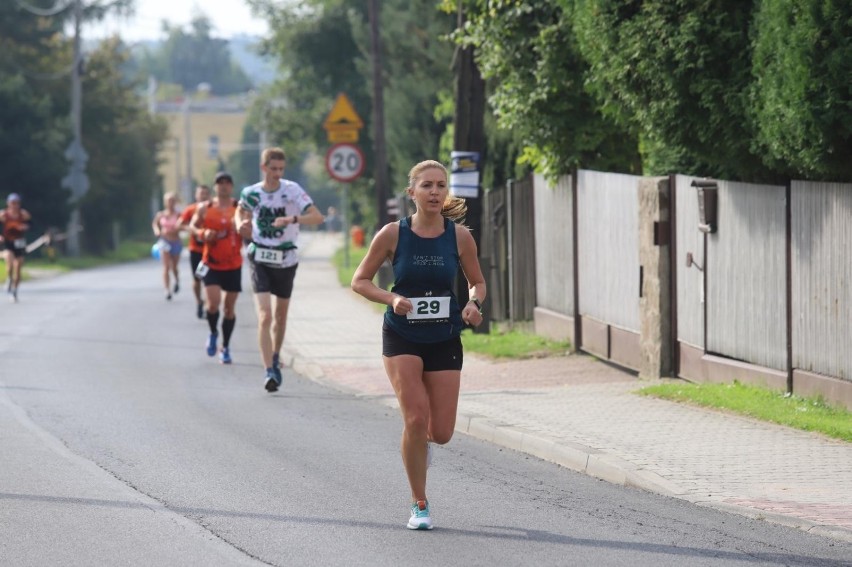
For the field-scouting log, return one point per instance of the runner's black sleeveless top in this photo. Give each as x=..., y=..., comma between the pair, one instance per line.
x=426, y=268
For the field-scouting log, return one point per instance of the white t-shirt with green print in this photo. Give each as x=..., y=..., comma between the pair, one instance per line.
x=289, y=199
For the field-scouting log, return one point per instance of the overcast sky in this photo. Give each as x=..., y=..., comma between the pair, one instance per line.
x=228, y=17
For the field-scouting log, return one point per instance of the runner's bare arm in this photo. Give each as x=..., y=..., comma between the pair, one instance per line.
x=311, y=216
x=198, y=224
x=242, y=220
x=382, y=248
x=470, y=263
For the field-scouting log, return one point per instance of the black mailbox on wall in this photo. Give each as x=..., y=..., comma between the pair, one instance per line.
x=707, y=204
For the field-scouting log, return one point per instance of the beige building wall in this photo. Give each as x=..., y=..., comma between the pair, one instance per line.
x=183, y=167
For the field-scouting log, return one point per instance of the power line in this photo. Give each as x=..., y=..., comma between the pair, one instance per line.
x=57, y=8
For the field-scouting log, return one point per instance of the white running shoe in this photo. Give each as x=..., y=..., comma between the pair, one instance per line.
x=420, y=518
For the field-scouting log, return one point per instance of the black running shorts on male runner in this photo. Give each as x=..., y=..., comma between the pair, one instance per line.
x=277, y=281
x=18, y=252
x=228, y=280
x=194, y=260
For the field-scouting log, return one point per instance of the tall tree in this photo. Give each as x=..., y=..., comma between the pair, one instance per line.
x=324, y=47
x=528, y=52
x=678, y=72
x=418, y=66
x=34, y=66
x=802, y=95
x=122, y=140
x=195, y=57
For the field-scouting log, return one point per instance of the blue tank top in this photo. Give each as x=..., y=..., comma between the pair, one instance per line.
x=425, y=271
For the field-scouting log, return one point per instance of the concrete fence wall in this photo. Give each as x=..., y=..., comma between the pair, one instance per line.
x=755, y=305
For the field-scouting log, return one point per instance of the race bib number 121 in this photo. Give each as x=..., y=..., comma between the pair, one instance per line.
x=268, y=256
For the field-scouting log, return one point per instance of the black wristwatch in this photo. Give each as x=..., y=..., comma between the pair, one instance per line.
x=476, y=302
x=295, y=219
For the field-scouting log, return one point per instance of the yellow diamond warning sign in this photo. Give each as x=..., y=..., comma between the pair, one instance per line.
x=343, y=123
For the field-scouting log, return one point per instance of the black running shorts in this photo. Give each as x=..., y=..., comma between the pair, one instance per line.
x=228, y=280
x=277, y=281
x=18, y=252
x=194, y=260
x=445, y=355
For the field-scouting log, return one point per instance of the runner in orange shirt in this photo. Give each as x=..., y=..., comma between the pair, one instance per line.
x=15, y=223
x=196, y=245
x=221, y=261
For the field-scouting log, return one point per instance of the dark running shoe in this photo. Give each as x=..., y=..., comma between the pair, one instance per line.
x=177, y=287
x=200, y=311
x=272, y=381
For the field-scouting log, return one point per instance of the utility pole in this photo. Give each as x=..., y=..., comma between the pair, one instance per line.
x=76, y=181
x=187, y=144
x=469, y=136
x=380, y=175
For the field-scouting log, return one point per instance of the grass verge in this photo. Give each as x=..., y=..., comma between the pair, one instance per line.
x=345, y=273
x=512, y=344
x=128, y=251
x=807, y=414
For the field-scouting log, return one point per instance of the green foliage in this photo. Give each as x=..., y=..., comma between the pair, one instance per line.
x=128, y=251
x=121, y=139
x=513, y=344
x=192, y=58
x=802, y=92
x=808, y=414
x=319, y=59
x=417, y=69
x=118, y=135
x=678, y=72
x=33, y=113
x=345, y=270
x=528, y=52
x=324, y=49
x=32, y=142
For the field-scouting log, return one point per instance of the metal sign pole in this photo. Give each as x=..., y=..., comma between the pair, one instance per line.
x=345, y=223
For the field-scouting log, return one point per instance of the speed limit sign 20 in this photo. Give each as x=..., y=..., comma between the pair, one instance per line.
x=344, y=162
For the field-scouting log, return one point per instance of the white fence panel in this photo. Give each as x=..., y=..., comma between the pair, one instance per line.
x=746, y=275
x=608, y=242
x=554, y=254
x=690, y=280
x=822, y=277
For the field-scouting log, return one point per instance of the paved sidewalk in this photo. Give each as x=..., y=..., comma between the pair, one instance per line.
x=583, y=414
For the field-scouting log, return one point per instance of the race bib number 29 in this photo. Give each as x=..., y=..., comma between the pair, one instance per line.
x=428, y=308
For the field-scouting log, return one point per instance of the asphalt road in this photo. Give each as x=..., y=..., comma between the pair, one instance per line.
x=122, y=443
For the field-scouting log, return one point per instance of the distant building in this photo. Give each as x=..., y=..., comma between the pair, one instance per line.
x=214, y=128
